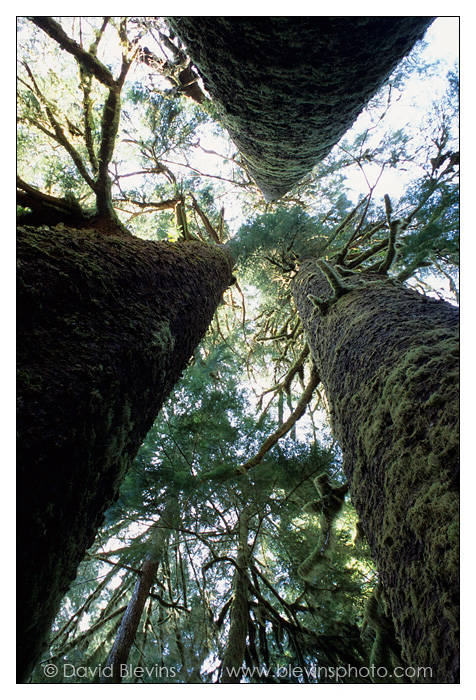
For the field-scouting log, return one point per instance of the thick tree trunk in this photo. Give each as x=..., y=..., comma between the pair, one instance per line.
x=288, y=88
x=388, y=359
x=106, y=325
x=236, y=643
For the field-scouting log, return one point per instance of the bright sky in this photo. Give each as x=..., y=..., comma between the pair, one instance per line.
x=443, y=39
x=415, y=104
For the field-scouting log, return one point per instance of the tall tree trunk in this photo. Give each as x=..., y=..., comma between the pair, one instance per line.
x=388, y=359
x=106, y=325
x=321, y=71
x=126, y=633
x=236, y=643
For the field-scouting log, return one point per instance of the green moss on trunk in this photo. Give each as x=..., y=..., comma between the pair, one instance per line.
x=106, y=325
x=388, y=358
x=288, y=88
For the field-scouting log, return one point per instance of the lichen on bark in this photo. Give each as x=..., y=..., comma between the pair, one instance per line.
x=106, y=326
x=388, y=359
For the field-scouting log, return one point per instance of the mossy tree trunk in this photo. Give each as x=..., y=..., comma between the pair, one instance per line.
x=388, y=359
x=106, y=326
x=288, y=88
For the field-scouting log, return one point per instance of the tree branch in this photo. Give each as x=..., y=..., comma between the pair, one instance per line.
x=109, y=126
x=33, y=196
x=85, y=58
x=59, y=134
x=205, y=220
x=157, y=206
x=286, y=426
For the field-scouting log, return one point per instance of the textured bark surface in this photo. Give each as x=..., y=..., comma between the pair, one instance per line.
x=388, y=359
x=106, y=325
x=288, y=88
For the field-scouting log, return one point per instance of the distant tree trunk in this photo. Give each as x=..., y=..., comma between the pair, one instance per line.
x=388, y=359
x=236, y=643
x=106, y=325
x=127, y=631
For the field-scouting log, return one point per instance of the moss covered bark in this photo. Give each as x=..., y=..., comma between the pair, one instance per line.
x=388, y=359
x=106, y=325
x=288, y=88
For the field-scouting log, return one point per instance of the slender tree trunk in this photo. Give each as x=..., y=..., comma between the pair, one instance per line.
x=127, y=631
x=106, y=326
x=388, y=359
x=236, y=643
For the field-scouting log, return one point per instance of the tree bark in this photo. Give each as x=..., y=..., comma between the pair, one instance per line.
x=106, y=326
x=288, y=88
x=388, y=359
x=127, y=631
x=236, y=643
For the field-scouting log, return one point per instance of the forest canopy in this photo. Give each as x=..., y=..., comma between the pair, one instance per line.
x=236, y=513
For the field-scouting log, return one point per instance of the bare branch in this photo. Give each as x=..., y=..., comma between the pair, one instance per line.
x=340, y=227
x=45, y=204
x=153, y=206
x=286, y=426
x=205, y=220
x=368, y=254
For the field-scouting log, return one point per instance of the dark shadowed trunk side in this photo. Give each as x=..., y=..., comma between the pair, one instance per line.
x=388, y=359
x=236, y=643
x=106, y=325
